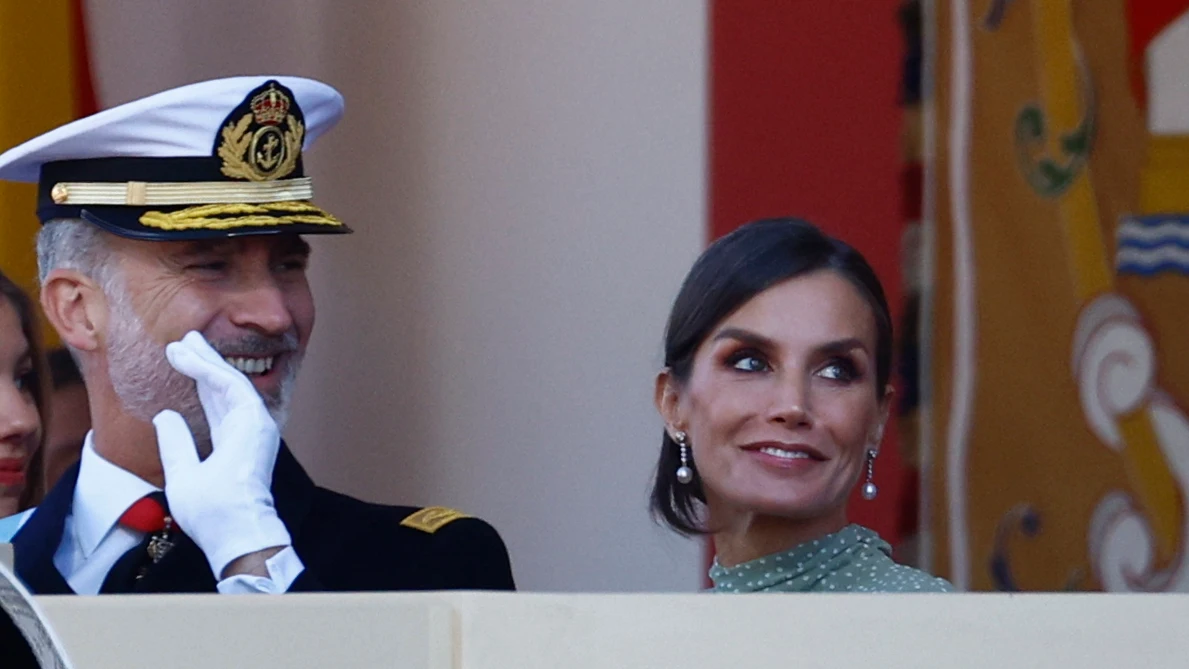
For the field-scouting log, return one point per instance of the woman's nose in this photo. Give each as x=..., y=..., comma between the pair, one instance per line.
x=18, y=414
x=790, y=404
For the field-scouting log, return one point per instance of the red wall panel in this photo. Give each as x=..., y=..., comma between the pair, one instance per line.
x=804, y=122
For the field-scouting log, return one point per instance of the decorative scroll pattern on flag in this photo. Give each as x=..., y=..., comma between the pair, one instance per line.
x=1057, y=370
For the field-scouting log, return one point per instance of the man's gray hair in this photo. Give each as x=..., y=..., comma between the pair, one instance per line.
x=75, y=244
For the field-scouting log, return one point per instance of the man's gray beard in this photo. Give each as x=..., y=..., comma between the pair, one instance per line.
x=147, y=384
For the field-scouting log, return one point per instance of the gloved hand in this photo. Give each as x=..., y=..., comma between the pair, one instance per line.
x=223, y=503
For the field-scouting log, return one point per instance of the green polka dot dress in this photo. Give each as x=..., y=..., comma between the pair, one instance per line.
x=853, y=559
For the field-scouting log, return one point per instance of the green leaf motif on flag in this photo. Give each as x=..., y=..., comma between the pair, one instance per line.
x=1049, y=177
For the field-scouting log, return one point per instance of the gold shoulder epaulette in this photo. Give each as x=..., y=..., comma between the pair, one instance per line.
x=432, y=518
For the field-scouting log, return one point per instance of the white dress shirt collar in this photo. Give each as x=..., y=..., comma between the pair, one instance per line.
x=102, y=494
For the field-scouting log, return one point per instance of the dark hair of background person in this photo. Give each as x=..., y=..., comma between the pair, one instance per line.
x=60, y=447
x=63, y=370
x=728, y=274
x=29, y=327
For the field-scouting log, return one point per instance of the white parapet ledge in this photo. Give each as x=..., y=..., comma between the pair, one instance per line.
x=624, y=631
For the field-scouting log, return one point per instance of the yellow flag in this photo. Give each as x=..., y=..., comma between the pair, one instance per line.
x=44, y=83
x=1058, y=373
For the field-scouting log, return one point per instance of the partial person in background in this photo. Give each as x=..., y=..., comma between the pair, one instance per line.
x=775, y=391
x=22, y=396
x=69, y=417
x=20, y=427
x=66, y=419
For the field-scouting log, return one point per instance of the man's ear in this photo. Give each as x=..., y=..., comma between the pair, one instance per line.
x=76, y=307
x=667, y=398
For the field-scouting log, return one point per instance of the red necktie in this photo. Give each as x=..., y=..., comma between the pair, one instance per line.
x=149, y=516
x=146, y=515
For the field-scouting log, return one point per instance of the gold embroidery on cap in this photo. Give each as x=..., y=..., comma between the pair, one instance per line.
x=254, y=148
x=230, y=216
x=432, y=518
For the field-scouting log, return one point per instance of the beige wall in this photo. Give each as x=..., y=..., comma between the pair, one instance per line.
x=526, y=178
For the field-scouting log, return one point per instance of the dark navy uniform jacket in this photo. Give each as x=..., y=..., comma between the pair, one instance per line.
x=345, y=544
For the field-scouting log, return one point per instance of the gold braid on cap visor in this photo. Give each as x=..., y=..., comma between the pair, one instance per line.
x=227, y=216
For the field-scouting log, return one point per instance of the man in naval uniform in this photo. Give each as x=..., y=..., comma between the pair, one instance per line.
x=173, y=265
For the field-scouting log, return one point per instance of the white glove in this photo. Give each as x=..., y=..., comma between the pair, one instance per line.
x=223, y=503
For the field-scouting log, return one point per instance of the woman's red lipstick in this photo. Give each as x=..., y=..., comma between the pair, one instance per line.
x=12, y=471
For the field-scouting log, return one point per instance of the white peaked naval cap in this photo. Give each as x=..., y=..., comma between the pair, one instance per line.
x=213, y=159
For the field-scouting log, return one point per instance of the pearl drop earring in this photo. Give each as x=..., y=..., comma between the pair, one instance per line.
x=684, y=473
x=869, y=489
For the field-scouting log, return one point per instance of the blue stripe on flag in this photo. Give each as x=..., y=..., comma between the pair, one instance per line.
x=1150, y=270
x=1150, y=245
x=1153, y=244
x=1158, y=219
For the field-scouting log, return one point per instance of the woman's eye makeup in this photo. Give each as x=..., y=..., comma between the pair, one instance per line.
x=748, y=360
x=837, y=366
x=840, y=369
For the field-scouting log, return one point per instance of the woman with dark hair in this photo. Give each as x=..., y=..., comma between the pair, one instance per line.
x=778, y=354
x=22, y=397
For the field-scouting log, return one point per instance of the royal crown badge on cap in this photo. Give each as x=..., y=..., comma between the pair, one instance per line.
x=215, y=159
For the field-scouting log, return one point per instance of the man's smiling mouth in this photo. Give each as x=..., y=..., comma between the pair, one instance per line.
x=251, y=366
